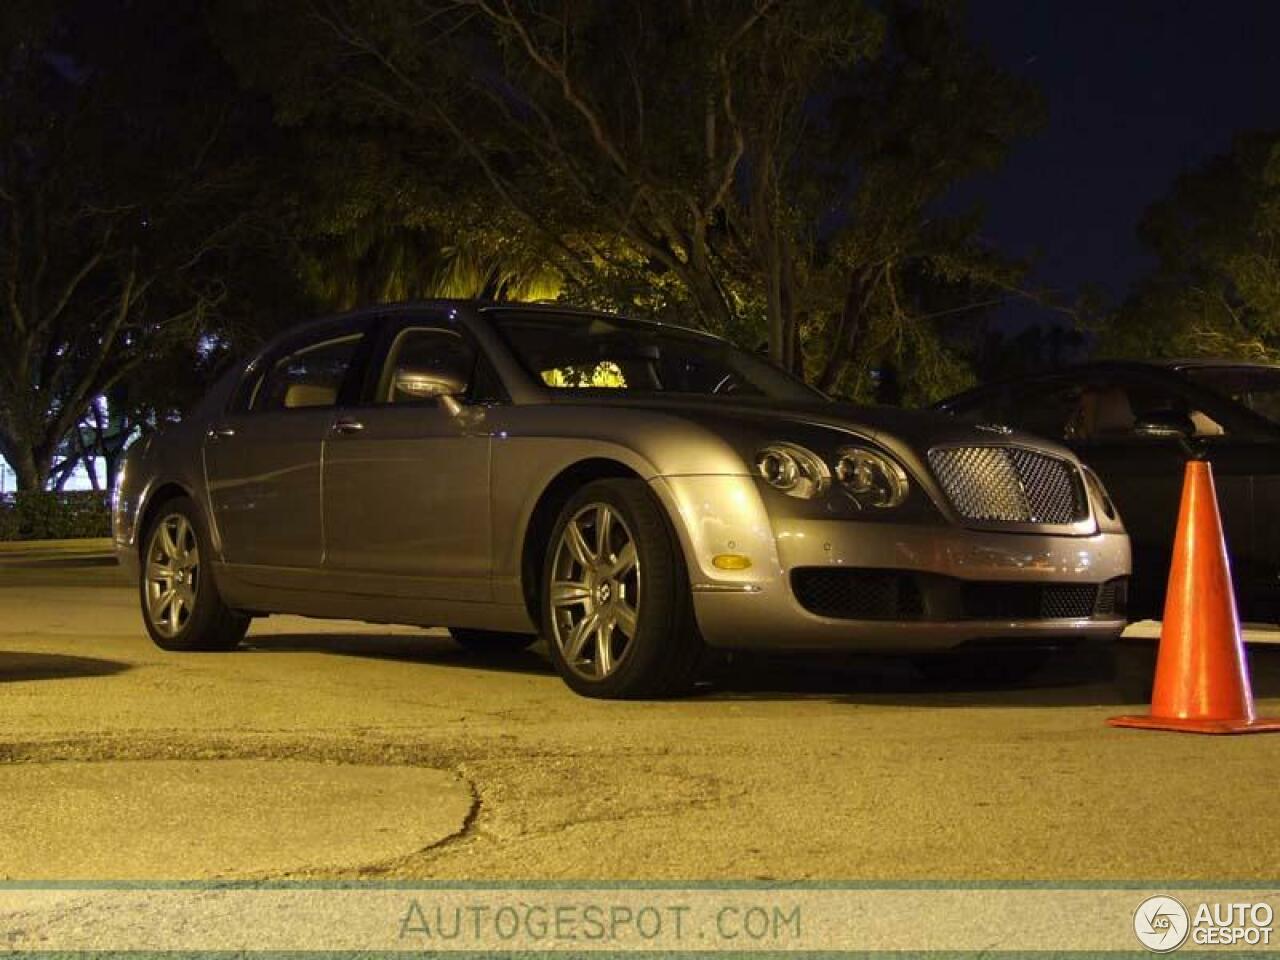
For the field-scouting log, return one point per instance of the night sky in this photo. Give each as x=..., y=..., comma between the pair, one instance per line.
x=1137, y=91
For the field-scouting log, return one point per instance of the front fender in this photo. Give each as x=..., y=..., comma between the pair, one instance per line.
x=721, y=514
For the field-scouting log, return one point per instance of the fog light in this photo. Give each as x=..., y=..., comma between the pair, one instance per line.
x=730, y=561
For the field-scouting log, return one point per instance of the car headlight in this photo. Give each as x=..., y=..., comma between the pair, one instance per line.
x=792, y=469
x=873, y=479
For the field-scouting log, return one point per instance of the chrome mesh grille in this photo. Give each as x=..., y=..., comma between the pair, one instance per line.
x=1009, y=485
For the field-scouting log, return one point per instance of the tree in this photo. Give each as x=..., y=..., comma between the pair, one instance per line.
x=624, y=138
x=1215, y=289
x=766, y=169
x=931, y=111
x=369, y=221
x=120, y=198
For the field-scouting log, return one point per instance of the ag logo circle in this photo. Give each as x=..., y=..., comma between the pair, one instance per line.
x=1161, y=923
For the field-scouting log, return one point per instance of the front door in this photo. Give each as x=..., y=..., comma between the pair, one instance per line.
x=406, y=480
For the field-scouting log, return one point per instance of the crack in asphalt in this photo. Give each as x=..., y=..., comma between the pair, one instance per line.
x=469, y=831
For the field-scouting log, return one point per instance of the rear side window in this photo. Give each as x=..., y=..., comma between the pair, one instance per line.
x=309, y=377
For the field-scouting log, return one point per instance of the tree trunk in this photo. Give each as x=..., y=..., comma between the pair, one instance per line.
x=27, y=471
x=849, y=328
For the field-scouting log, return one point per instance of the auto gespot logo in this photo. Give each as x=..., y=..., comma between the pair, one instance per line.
x=1162, y=924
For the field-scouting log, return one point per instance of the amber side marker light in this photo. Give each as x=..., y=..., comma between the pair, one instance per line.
x=730, y=561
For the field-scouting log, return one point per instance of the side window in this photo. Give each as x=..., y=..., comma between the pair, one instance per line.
x=1109, y=411
x=1048, y=411
x=435, y=353
x=1043, y=408
x=309, y=377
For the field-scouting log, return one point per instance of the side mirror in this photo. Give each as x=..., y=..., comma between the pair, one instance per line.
x=1165, y=423
x=417, y=383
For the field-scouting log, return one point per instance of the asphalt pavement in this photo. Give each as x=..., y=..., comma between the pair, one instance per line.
x=339, y=750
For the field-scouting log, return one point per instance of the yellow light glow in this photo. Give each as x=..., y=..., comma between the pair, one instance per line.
x=730, y=561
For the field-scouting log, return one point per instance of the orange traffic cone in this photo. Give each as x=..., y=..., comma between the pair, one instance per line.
x=1202, y=680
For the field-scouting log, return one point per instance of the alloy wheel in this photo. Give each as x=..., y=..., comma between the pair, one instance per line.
x=595, y=591
x=173, y=574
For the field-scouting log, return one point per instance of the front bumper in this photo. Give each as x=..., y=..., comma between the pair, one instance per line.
x=758, y=607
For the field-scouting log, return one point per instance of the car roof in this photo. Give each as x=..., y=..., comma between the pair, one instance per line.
x=481, y=306
x=555, y=308
x=1167, y=367
x=1191, y=363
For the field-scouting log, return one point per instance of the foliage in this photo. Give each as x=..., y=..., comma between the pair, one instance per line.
x=370, y=221
x=905, y=267
x=766, y=170
x=126, y=209
x=42, y=515
x=778, y=172
x=1215, y=289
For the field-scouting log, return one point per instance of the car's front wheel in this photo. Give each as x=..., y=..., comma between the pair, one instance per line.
x=181, y=605
x=616, y=609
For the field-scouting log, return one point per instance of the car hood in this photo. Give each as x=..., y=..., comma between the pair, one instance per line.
x=892, y=427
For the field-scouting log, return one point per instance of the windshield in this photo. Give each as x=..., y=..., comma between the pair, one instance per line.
x=601, y=354
x=1257, y=388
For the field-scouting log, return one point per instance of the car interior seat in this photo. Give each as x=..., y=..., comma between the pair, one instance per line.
x=1102, y=411
x=309, y=395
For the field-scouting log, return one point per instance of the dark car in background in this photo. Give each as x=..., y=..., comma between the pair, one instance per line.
x=1122, y=419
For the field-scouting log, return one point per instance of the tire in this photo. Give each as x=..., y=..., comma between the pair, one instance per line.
x=491, y=641
x=175, y=546
x=643, y=642
x=997, y=667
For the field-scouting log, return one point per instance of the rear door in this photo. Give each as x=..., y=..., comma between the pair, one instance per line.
x=406, y=481
x=263, y=458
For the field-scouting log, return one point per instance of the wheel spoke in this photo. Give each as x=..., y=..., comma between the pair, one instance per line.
x=175, y=611
x=579, y=635
x=159, y=603
x=625, y=562
x=160, y=571
x=604, y=529
x=567, y=593
x=604, y=649
x=187, y=546
x=577, y=544
x=168, y=542
x=626, y=619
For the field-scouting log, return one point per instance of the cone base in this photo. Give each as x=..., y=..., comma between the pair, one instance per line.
x=1193, y=725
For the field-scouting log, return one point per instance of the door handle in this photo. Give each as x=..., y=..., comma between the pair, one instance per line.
x=221, y=433
x=347, y=425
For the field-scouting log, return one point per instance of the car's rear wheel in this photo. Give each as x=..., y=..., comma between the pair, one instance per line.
x=181, y=605
x=616, y=609
x=491, y=641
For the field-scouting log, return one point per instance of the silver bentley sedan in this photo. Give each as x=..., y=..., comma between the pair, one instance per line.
x=632, y=492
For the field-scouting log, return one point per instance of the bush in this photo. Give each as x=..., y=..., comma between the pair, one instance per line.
x=40, y=515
